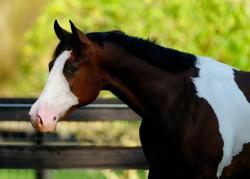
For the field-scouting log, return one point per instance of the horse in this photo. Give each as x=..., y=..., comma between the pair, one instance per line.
x=195, y=110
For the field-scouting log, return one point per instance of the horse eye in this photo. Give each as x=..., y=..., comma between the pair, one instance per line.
x=70, y=69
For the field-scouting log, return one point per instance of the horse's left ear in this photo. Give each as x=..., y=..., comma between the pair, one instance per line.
x=60, y=32
x=79, y=37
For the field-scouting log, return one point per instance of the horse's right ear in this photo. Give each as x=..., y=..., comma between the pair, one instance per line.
x=60, y=32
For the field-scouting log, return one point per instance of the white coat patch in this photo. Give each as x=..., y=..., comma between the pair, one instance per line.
x=217, y=86
x=56, y=94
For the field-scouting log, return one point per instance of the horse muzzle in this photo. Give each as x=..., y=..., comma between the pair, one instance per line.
x=44, y=119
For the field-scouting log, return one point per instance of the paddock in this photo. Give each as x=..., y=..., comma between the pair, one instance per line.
x=23, y=148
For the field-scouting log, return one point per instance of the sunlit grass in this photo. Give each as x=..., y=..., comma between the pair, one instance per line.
x=75, y=174
x=123, y=133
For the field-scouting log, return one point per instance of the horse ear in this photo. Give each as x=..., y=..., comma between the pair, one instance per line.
x=60, y=32
x=79, y=36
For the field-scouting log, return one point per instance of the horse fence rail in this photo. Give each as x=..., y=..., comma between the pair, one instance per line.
x=40, y=156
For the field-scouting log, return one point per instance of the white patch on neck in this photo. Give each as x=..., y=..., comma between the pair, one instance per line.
x=56, y=94
x=217, y=86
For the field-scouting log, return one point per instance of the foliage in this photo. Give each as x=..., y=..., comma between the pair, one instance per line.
x=216, y=28
x=12, y=39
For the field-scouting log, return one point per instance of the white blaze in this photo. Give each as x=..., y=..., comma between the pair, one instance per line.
x=56, y=94
x=216, y=84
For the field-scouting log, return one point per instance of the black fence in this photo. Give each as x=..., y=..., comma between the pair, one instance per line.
x=40, y=156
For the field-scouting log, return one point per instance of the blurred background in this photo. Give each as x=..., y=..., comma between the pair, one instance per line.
x=215, y=28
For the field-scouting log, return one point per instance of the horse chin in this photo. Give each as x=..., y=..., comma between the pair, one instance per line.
x=46, y=129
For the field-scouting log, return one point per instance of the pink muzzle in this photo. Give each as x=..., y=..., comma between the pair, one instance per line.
x=45, y=118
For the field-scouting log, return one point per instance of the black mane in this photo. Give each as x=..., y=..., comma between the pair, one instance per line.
x=148, y=50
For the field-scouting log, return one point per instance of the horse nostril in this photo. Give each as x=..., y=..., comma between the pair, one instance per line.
x=54, y=118
x=40, y=121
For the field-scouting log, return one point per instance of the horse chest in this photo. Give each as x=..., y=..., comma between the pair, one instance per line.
x=216, y=84
x=162, y=150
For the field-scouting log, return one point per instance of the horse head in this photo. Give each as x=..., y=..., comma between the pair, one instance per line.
x=73, y=79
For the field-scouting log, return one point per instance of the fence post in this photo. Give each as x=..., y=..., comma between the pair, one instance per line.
x=41, y=173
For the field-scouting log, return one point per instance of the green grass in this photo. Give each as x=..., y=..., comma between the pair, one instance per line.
x=17, y=174
x=90, y=174
x=55, y=174
x=73, y=174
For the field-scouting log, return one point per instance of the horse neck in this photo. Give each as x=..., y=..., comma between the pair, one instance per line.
x=145, y=88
